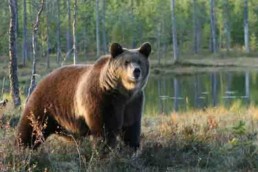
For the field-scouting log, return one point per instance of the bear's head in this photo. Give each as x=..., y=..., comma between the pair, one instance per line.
x=130, y=66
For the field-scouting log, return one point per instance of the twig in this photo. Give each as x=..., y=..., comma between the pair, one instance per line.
x=78, y=150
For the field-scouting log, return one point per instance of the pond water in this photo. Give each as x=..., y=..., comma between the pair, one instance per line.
x=169, y=93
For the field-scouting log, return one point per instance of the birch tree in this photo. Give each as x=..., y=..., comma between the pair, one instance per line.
x=14, y=84
x=24, y=49
x=174, y=34
x=97, y=28
x=58, y=49
x=74, y=33
x=195, y=28
x=158, y=42
x=17, y=19
x=246, y=27
x=103, y=22
x=68, y=32
x=34, y=48
x=226, y=21
x=213, y=27
x=47, y=28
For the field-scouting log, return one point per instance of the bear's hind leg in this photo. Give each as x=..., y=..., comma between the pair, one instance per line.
x=24, y=135
x=49, y=126
x=32, y=132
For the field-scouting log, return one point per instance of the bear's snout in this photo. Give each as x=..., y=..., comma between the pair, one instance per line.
x=136, y=73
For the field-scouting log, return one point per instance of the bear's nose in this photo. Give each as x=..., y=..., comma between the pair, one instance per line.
x=137, y=73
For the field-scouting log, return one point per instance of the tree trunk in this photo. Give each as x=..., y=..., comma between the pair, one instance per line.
x=14, y=84
x=246, y=27
x=213, y=27
x=85, y=38
x=58, y=53
x=24, y=49
x=226, y=25
x=97, y=28
x=195, y=29
x=74, y=33
x=158, y=42
x=17, y=19
x=34, y=49
x=103, y=22
x=174, y=33
x=68, y=33
x=47, y=28
x=132, y=21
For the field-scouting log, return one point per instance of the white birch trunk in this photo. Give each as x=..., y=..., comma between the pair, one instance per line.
x=97, y=28
x=174, y=33
x=47, y=28
x=74, y=33
x=58, y=49
x=246, y=27
x=24, y=49
x=213, y=27
x=34, y=49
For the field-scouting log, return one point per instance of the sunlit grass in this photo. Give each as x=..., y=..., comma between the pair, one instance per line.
x=212, y=139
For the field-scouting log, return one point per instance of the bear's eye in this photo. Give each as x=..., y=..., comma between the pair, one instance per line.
x=127, y=62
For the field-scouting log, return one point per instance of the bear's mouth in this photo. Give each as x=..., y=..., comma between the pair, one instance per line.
x=134, y=80
x=131, y=83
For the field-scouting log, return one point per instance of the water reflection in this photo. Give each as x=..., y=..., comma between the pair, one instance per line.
x=166, y=94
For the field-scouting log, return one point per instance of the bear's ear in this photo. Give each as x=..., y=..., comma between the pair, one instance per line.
x=145, y=49
x=116, y=49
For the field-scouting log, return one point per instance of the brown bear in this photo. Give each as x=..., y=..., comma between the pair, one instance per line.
x=104, y=99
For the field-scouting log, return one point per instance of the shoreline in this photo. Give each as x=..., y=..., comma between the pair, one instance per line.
x=192, y=66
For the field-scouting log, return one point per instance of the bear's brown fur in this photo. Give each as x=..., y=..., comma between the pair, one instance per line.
x=102, y=99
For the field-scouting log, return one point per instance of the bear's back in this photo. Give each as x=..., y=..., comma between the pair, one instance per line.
x=55, y=92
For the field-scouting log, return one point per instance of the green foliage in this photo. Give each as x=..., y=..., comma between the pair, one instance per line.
x=253, y=42
x=133, y=22
x=240, y=128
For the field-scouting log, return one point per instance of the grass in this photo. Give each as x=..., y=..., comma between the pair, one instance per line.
x=214, y=139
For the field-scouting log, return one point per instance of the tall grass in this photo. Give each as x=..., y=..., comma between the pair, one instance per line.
x=213, y=139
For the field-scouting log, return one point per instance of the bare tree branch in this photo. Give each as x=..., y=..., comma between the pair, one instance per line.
x=34, y=43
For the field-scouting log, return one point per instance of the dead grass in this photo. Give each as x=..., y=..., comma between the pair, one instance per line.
x=213, y=139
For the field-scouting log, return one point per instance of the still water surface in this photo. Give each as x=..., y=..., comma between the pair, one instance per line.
x=168, y=93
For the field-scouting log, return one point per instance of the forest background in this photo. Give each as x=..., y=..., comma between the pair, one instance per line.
x=201, y=27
